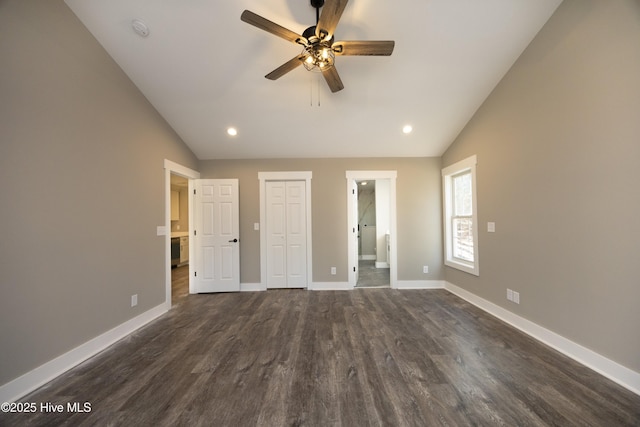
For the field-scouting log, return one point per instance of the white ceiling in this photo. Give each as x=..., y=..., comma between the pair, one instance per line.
x=203, y=70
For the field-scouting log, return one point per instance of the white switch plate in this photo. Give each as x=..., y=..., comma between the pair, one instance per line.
x=256, y=226
x=509, y=294
x=516, y=297
x=491, y=227
x=161, y=230
x=333, y=271
x=134, y=300
x=425, y=269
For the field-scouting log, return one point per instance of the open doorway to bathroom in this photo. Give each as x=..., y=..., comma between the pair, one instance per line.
x=373, y=233
x=371, y=213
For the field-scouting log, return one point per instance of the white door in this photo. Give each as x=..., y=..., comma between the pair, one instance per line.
x=355, y=232
x=286, y=234
x=216, y=235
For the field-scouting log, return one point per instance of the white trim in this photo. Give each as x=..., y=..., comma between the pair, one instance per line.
x=263, y=177
x=330, y=286
x=176, y=169
x=41, y=375
x=622, y=375
x=352, y=176
x=447, y=173
x=252, y=287
x=367, y=257
x=420, y=284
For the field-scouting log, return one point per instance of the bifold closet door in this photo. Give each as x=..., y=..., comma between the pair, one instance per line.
x=286, y=234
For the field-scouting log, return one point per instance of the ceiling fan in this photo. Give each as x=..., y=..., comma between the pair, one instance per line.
x=319, y=49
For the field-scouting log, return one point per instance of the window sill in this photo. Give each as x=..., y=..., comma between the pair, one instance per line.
x=467, y=268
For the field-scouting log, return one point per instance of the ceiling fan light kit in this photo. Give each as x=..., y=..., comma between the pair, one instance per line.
x=318, y=47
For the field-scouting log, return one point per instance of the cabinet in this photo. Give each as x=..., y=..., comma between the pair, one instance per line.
x=175, y=205
x=184, y=250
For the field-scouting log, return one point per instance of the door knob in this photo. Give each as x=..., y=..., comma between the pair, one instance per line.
x=233, y=241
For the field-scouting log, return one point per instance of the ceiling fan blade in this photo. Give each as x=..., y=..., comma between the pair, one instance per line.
x=373, y=48
x=331, y=13
x=286, y=67
x=333, y=79
x=270, y=27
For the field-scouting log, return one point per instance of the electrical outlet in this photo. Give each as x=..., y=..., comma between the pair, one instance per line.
x=509, y=294
x=425, y=269
x=134, y=300
x=491, y=227
x=333, y=271
x=516, y=297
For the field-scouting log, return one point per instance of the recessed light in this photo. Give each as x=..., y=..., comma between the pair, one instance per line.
x=232, y=131
x=363, y=183
x=407, y=129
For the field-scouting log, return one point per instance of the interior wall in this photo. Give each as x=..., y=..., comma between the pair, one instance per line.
x=383, y=218
x=558, y=149
x=418, y=208
x=367, y=220
x=82, y=184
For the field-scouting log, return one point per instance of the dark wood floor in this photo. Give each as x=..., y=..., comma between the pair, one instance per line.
x=350, y=358
x=179, y=283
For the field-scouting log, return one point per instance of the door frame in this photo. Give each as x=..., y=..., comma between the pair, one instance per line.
x=176, y=169
x=263, y=177
x=352, y=247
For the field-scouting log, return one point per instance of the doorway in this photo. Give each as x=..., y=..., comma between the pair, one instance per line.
x=180, y=225
x=373, y=231
x=384, y=242
x=178, y=171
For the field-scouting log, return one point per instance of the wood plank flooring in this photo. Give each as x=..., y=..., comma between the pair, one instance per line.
x=367, y=357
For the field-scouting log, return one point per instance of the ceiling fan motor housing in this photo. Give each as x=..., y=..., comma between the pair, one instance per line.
x=317, y=3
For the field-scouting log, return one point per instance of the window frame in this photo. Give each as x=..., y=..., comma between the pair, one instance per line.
x=462, y=167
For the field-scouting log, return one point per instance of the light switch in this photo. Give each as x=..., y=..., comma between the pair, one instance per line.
x=256, y=226
x=491, y=227
x=161, y=230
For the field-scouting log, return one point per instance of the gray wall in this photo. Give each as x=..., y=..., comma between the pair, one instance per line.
x=418, y=208
x=82, y=185
x=558, y=145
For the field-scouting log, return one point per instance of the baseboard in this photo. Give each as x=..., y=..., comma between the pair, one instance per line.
x=330, y=286
x=622, y=375
x=252, y=287
x=41, y=375
x=382, y=264
x=419, y=284
x=367, y=257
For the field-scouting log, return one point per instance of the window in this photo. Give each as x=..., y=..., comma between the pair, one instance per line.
x=460, y=216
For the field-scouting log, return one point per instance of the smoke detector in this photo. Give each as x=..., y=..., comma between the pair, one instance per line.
x=140, y=27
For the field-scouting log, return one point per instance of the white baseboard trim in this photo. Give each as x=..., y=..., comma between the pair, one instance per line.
x=330, y=286
x=622, y=375
x=252, y=287
x=382, y=264
x=14, y=390
x=419, y=284
x=367, y=257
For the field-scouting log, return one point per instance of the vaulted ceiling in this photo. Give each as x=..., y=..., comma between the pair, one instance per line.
x=203, y=70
